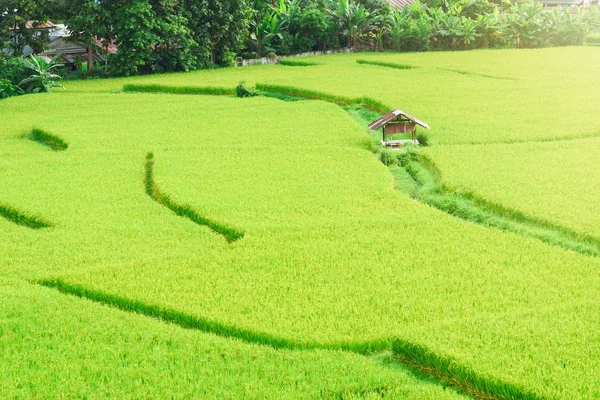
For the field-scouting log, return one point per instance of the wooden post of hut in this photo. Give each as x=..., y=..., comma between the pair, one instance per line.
x=395, y=122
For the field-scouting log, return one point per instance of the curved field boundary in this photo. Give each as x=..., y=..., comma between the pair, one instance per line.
x=19, y=218
x=445, y=370
x=210, y=91
x=46, y=139
x=466, y=206
x=469, y=73
x=386, y=64
x=426, y=187
x=449, y=372
x=573, y=138
x=456, y=71
x=367, y=102
x=469, y=207
x=229, y=233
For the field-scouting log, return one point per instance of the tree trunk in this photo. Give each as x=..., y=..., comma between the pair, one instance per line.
x=90, y=60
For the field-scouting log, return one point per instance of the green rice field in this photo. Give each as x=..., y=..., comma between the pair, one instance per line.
x=159, y=244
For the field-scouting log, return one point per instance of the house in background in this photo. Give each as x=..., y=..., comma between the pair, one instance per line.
x=72, y=52
x=31, y=29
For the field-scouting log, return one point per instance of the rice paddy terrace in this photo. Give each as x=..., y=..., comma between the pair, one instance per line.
x=156, y=243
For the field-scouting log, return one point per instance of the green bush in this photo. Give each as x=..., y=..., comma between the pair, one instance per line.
x=410, y=29
x=12, y=71
x=242, y=91
x=7, y=89
x=423, y=139
x=594, y=38
x=409, y=153
x=388, y=157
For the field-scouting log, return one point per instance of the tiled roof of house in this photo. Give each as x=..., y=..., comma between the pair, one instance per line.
x=32, y=24
x=400, y=4
x=47, y=25
x=112, y=47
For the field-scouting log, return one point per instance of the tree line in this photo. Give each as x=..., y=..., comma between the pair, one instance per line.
x=182, y=35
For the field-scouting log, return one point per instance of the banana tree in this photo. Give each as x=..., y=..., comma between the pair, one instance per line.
x=262, y=34
x=44, y=76
x=350, y=17
x=465, y=33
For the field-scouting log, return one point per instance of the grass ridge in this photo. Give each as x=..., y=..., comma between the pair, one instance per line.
x=202, y=324
x=408, y=66
x=513, y=214
x=472, y=208
x=446, y=371
x=367, y=102
x=47, y=139
x=208, y=90
x=468, y=206
x=385, y=64
x=19, y=218
x=469, y=73
x=183, y=210
x=296, y=63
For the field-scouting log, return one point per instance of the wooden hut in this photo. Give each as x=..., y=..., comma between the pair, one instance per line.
x=396, y=122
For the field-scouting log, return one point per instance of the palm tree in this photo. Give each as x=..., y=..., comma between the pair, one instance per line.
x=43, y=78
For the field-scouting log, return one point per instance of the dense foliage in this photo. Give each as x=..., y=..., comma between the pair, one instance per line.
x=12, y=71
x=158, y=35
x=28, y=75
x=183, y=35
x=15, y=30
x=464, y=24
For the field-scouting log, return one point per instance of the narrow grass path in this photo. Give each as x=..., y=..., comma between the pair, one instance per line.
x=466, y=206
x=470, y=207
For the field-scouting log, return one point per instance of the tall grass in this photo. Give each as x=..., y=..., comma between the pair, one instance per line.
x=210, y=91
x=385, y=64
x=368, y=102
x=296, y=63
x=470, y=207
x=47, y=139
x=450, y=372
x=414, y=356
x=19, y=218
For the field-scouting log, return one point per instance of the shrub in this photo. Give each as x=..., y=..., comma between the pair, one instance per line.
x=7, y=89
x=409, y=153
x=388, y=157
x=12, y=71
x=593, y=39
x=423, y=139
x=242, y=91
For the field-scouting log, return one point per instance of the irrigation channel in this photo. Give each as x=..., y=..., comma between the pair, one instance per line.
x=424, y=186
